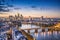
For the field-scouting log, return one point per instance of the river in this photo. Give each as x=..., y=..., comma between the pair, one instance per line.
x=50, y=35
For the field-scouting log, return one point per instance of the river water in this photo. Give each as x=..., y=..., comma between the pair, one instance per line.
x=50, y=35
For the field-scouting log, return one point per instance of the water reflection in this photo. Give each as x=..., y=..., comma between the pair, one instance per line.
x=47, y=35
x=25, y=26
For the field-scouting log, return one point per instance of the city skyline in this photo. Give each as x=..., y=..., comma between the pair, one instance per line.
x=35, y=8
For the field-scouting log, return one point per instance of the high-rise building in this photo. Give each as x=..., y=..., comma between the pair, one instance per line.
x=11, y=17
x=18, y=15
x=21, y=17
x=41, y=18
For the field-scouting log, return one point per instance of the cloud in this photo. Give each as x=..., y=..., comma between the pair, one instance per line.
x=3, y=13
x=17, y=8
x=10, y=6
x=33, y=6
x=3, y=10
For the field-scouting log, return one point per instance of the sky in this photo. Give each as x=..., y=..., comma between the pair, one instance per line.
x=35, y=8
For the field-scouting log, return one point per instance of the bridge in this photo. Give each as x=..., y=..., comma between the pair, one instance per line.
x=43, y=29
x=27, y=34
x=28, y=30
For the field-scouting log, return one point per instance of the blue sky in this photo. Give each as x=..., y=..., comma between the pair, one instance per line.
x=50, y=8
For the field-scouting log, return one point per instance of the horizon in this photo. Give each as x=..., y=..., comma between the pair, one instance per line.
x=7, y=16
x=34, y=8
